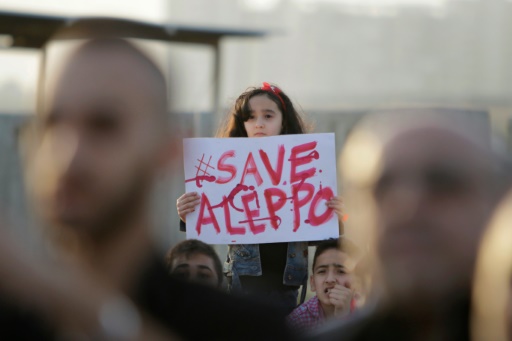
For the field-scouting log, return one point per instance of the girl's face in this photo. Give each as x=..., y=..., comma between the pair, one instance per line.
x=265, y=120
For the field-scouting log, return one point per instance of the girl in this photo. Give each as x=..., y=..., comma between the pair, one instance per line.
x=274, y=271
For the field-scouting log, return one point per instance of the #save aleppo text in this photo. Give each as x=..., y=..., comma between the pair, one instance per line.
x=261, y=190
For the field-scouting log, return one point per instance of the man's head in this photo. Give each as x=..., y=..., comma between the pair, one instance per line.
x=101, y=138
x=195, y=261
x=433, y=197
x=333, y=264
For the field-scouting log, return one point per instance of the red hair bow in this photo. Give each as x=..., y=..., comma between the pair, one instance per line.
x=275, y=90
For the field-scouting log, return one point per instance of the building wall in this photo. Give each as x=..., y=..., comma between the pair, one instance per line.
x=15, y=212
x=328, y=56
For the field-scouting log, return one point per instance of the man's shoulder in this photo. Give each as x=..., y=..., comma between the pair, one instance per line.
x=22, y=323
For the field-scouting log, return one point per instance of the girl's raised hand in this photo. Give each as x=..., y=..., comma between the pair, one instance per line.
x=336, y=203
x=187, y=203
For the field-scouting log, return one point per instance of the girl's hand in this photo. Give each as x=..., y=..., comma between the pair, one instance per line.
x=187, y=203
x=336, y=203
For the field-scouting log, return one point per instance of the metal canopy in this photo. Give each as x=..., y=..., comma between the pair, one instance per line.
x=34, y=30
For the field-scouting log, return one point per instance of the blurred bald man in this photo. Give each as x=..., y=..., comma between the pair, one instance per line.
x=434, y=194
x=101, y=141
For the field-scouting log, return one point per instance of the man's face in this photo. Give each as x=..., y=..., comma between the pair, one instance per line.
x=196, y=267
x=98, y=147
x=432, y=204
x=332, y=267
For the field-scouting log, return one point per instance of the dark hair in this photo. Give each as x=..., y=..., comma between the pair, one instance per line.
x=191, y=247
x=342, y=244
x=234, y=127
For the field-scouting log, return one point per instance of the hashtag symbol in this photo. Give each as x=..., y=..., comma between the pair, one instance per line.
x=203, y=166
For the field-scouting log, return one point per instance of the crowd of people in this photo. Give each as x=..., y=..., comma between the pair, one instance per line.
x=93, y=153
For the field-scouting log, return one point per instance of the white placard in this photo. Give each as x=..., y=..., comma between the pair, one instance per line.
x=261, y=190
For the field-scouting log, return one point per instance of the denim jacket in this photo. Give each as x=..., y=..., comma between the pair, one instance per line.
x=244, y=260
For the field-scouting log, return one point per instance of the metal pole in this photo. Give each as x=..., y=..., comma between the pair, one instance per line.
x=222, y=250
x=217, y=110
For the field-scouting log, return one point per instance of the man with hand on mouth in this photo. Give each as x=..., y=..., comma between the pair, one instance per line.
x=333, y=283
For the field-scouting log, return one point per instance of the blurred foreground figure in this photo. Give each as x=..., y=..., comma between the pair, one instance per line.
x=101, y=141
x=433, y=193
x=40, y=301
x=492, y=295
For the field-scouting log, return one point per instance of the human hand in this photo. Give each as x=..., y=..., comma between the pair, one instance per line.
x=336, y=203
x=187, y=203
x=341, y=297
